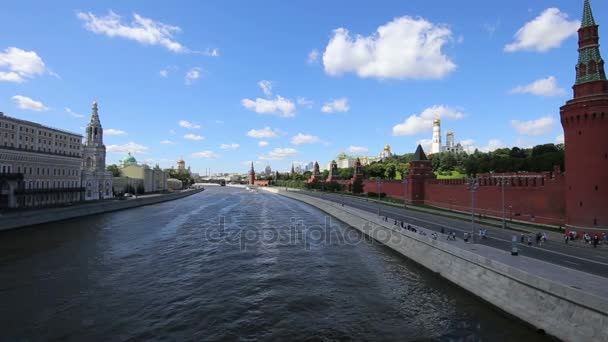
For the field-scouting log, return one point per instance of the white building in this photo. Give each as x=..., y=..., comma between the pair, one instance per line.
x=386, y=153
x=39, y=165
x=450, y=146
x=95, y=179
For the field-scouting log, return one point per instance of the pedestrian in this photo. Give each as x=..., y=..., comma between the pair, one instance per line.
x=466, y=237
x=442, y=231
x=566, y=238
x=529, y=240
x=596, y=239
x=521, y=237
x=401, y=224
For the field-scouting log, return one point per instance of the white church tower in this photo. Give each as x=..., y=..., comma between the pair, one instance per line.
x=436, y=145
x=95, y=179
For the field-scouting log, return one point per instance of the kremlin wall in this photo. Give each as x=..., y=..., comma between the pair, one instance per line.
x=537, y=199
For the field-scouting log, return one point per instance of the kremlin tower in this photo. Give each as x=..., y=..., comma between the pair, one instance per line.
x=585, y=123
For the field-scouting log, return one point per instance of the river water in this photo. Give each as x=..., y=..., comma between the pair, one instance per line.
x=223, y=265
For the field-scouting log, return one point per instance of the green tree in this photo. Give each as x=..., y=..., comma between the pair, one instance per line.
x=114, y=169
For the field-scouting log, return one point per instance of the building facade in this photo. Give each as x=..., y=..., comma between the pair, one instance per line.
x=153, y=179
x=94, y=177
x=39, y=165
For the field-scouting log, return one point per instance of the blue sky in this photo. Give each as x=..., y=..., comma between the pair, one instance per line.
x=204, y=80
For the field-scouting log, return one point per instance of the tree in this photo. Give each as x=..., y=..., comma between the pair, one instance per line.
x=114, y=169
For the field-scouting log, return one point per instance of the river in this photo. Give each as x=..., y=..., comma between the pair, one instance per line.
x=227, y=264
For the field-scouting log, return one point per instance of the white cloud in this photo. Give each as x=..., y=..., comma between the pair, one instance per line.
x=302, y=101
x=265, y=132
x=74, y=114
x=142, y=30
x=188, y=124
x=559, y=139
x=279, y=153
x=280, y=106
x=113, y=131
x=230, y=146
x=313, y=56
x=168, y=70
x=24, y=102
x=193, y=137
x=192, y=75
x=204, y=154
x=20, y=65
x=405, y=48
x=423, y=122
x=266, y=87
x=300, y=139
x=493, y=145
x=129, y=147
x=358, y=149
x=534, y=127
x=543, y=87
x=545, y=32
x=263, y=143
x=339, y=105
x=167, y=142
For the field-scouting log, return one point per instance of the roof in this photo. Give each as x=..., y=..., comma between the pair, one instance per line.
x=588, y=19
x=37, y=125
x=419, y=154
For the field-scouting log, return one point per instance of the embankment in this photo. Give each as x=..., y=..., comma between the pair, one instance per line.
x=41, y=216
x=511, y=284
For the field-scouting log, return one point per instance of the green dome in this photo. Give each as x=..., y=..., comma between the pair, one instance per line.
x=129, y=160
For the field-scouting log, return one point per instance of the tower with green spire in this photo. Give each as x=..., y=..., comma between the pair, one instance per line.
x=590, y=66
x=585, y=123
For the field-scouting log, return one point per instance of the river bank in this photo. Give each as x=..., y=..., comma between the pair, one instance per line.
x=565, y=303
x=34, y=217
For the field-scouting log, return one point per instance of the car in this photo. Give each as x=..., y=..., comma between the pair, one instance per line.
x=128, y=195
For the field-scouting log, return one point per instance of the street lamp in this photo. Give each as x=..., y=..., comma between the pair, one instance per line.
x=404, y=193
x=503, y=181
x=473, y=187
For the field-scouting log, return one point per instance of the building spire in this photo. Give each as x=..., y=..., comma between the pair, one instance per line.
x=590, y=66
x=587, y=15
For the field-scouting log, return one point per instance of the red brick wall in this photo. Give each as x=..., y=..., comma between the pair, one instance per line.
x=540, y=201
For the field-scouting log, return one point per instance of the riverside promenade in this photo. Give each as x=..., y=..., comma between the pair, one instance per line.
x=563, y=302
x=32, y=217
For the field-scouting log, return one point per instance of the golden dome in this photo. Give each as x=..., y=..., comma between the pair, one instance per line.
x=387, y=147
x=436, y=122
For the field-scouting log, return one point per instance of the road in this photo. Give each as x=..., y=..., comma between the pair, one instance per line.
x=582, y=258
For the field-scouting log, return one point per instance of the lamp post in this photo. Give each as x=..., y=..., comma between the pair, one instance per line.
x=379, y=188
x=473, y=187
x=502, y=181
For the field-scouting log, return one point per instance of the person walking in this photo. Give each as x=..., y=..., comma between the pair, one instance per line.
x=566, y=238
x=529, y=240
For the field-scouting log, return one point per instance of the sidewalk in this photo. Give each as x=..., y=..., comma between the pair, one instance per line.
x=493, y=224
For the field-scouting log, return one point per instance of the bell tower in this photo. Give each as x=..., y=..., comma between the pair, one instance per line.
x=585, y=123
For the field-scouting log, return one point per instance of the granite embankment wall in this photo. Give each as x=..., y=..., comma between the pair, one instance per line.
x=561, y=311
x=34, y=217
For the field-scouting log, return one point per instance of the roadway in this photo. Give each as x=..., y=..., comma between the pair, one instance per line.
x=580, y=257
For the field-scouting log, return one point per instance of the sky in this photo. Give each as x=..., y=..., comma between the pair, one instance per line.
x=224, y=83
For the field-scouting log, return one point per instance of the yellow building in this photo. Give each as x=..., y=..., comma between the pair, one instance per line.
x=154, y=179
